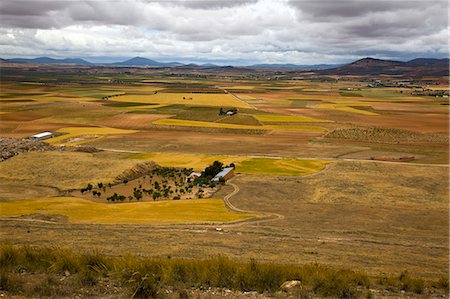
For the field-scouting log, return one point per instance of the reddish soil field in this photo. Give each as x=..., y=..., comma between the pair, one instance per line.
x=131, y=121
x=424, y=123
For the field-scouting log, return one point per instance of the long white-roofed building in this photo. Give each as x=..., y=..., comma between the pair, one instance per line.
x=41, y=136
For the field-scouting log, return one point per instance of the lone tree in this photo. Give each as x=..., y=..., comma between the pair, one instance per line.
x=138, y=194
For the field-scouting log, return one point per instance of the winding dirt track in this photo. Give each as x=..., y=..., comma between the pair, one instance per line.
x=260, y=216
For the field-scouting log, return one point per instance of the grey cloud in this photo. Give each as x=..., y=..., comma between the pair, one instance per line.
x=259, y=31
x=31, y=8
x=326, y=9
x=210, y=4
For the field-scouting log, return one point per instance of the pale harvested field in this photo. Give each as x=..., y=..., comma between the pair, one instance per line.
x=380, y=218
x=274, y=143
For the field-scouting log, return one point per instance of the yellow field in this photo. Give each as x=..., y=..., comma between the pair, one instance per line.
x=346, y=108
x=246, y=97
x=288, y=118
x=280, y=166
x=84, y=211
x=244, y=164
x=204, y=124
x=80, y=135
x=61, y=98
x=201, y=99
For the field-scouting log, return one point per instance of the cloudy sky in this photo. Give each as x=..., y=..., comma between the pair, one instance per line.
x=225, y=32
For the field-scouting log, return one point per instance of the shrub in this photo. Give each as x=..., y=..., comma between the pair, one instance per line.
x=409, y=284
x=10, y=282
x=147, y=286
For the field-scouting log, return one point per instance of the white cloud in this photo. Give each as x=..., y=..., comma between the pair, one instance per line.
x=301, y=31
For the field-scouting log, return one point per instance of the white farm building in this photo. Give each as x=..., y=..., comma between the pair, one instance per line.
x=226, y=174
x=41, y=136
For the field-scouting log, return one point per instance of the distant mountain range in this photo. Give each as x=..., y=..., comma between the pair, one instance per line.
x=365, y=66
x=372, y=66
x=141, y=61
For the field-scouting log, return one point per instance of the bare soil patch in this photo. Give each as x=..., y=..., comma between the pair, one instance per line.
x=131, y=121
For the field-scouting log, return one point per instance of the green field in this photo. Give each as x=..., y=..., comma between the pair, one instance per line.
x=247, y=165
x=83, y=211
x=267, y=166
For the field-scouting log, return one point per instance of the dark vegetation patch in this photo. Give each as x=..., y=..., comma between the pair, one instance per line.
x=10, y=147
x=303, y=103
x=203, y=113
x=45, y=272
x=350, y=94
x=240, y=119
x=192, y=90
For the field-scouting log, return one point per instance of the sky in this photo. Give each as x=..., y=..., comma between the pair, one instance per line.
x=240, y=32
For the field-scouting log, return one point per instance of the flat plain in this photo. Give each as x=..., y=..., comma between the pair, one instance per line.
x=321, y=176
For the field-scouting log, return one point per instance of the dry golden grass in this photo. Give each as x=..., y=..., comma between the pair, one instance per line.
x=63, y=170
x=80, y=210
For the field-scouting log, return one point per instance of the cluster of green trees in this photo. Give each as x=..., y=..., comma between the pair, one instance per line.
x=113, y=95
x=116, y=197
x=210, y=172
x=163, y=183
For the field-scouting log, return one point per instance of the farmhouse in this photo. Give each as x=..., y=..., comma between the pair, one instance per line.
x=41, y=136
x=227, y=173
x=231, y=112
x=194, y=175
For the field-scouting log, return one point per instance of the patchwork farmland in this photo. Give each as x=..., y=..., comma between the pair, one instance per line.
x=328, y=170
